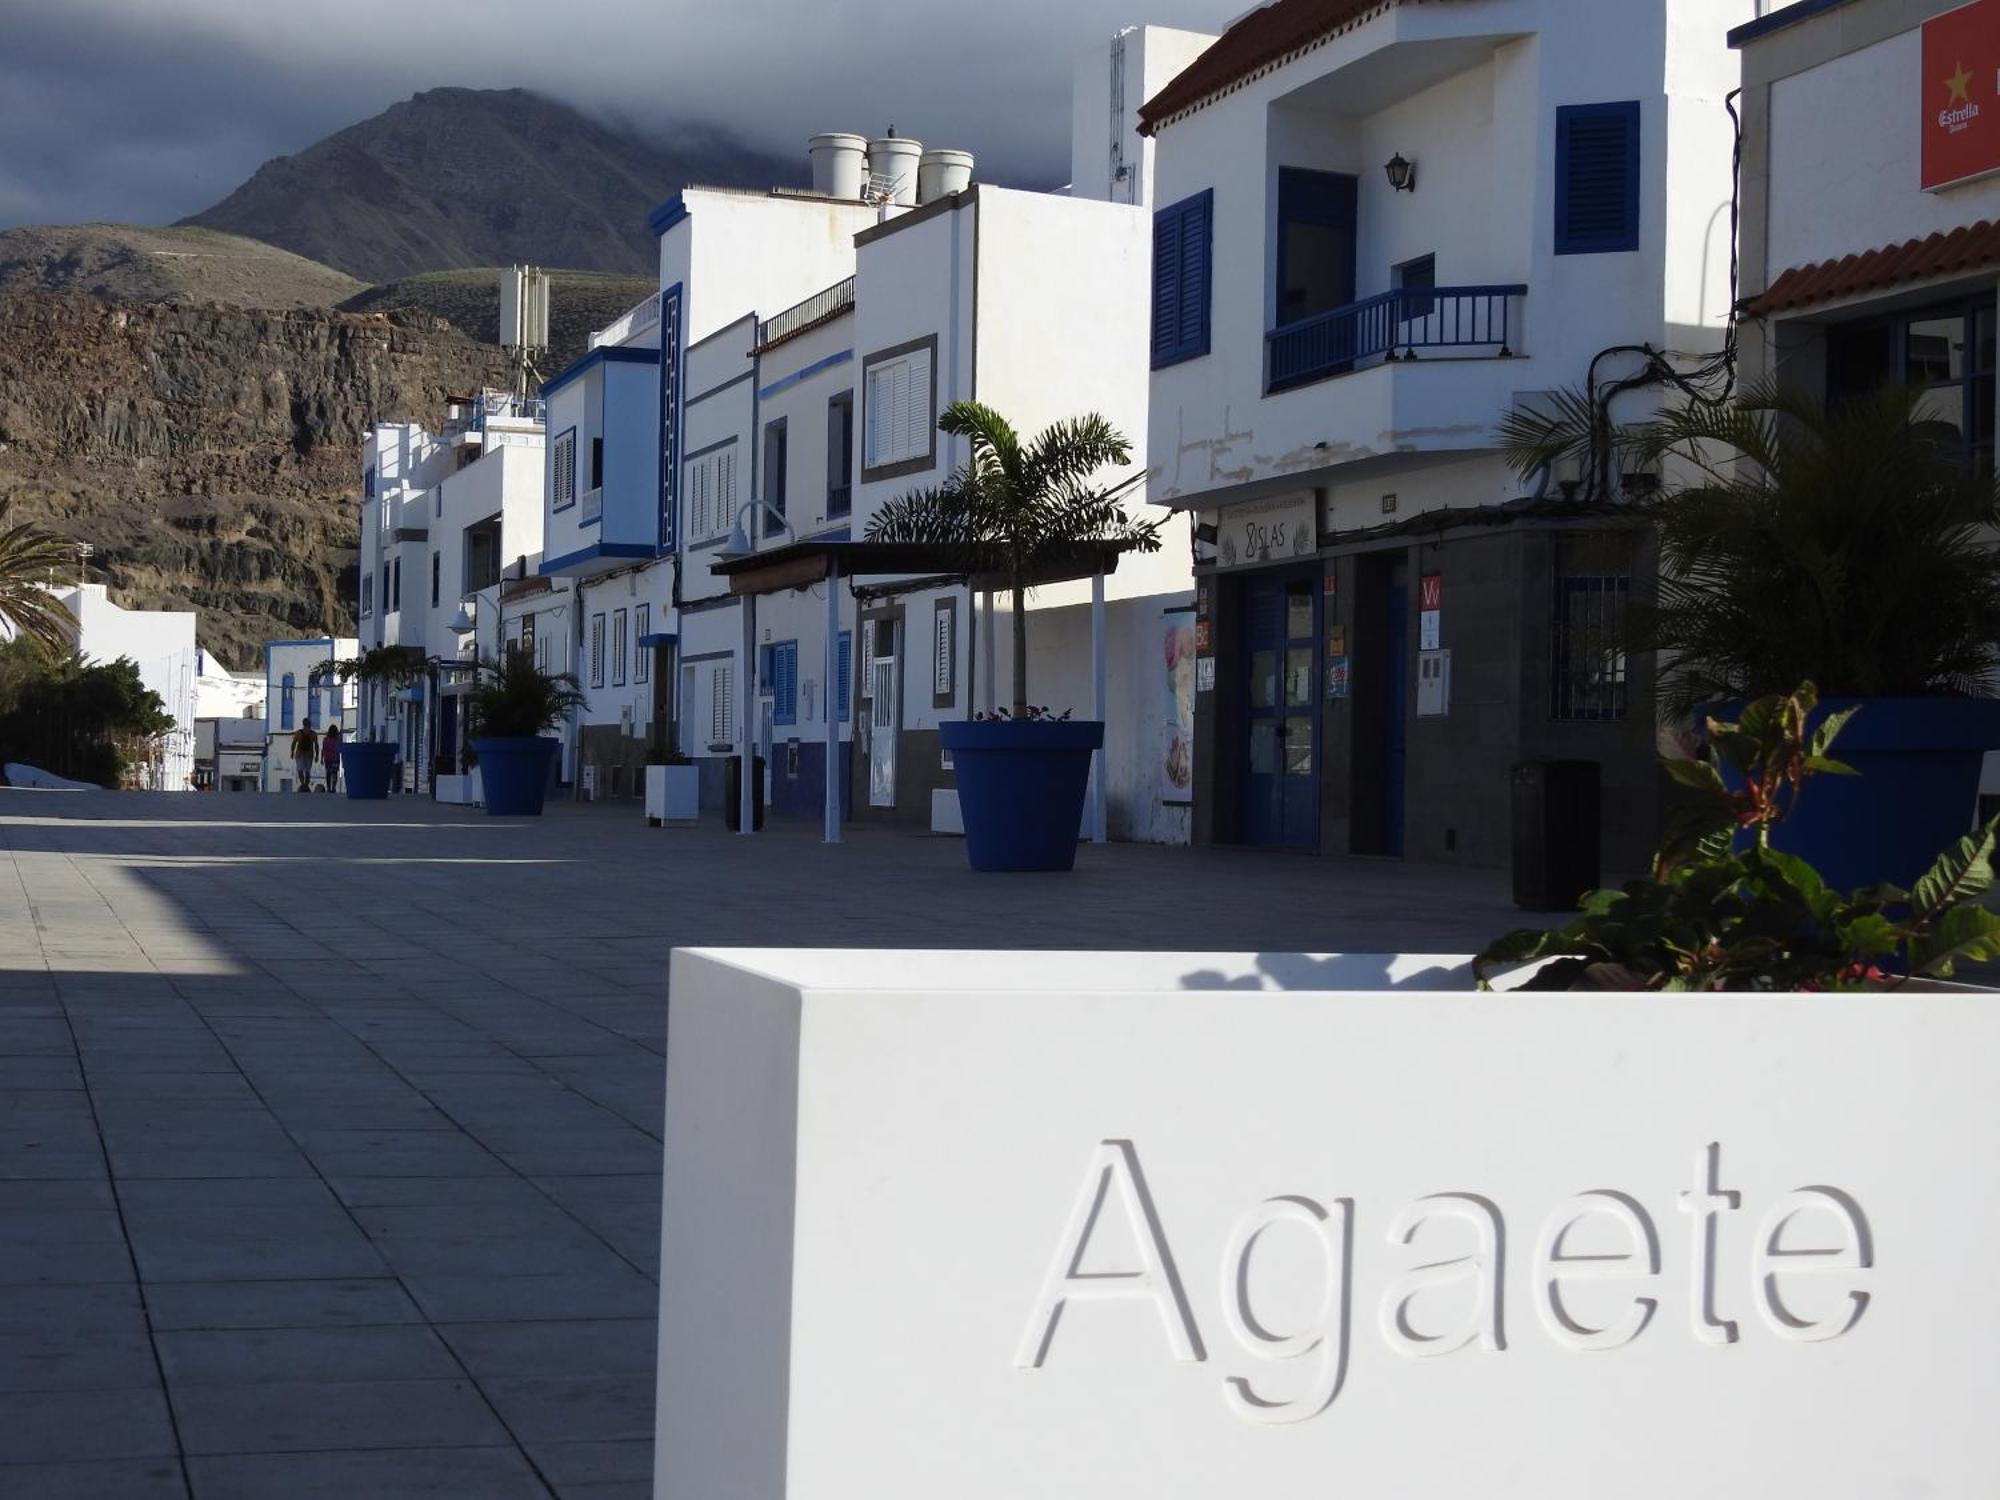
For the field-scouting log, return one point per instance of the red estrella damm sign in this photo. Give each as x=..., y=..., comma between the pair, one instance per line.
x=1961, y=94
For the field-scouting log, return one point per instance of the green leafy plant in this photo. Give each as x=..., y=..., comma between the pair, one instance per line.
x=386, y=666
x=1019, y=507
x=1846, y=545
x=29, y=558
x=1723, y=910
x=515, y=699
x=94, y=721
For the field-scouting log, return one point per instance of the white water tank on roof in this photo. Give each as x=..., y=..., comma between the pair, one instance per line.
x=892, y=163
x=839, y=164
x=942, y=173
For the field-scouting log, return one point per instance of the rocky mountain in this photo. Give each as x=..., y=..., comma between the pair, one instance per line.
x=458, y=177
x=210, y=455
x=127, y=263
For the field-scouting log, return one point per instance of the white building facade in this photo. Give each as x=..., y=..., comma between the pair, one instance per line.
x=161, y=643
x=299, y=693
x=1379, y=227
x=451, y=520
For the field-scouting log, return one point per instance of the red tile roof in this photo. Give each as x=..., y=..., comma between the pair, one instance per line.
x=1261, y=39
x=1970, y=247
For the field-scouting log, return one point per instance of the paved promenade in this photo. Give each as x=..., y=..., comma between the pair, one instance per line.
x=329, y=1131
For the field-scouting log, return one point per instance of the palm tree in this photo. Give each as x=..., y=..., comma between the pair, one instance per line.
x=1846, y=546
x=1020, y=508
x=29, y=558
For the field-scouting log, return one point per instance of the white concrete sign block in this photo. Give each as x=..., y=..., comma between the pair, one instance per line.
x=1004, y=1225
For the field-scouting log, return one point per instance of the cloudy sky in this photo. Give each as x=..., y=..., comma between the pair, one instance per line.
x=145, y=110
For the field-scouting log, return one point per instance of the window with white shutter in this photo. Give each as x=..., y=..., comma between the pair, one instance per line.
x=944, y=649
x=642, y=626
x=711, y=492
x=899, y=425
x=721, y=704
x=619, y=646
x=597, y=651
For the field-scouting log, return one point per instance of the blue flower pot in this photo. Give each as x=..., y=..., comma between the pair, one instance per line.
x=366, y=768
x=1917, y=793
x=1021, y=785
x=514, y=773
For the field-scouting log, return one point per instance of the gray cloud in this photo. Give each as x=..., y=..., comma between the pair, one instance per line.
x=147, y=110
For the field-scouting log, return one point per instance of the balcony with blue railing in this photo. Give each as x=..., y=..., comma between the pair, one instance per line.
x=1410, y=323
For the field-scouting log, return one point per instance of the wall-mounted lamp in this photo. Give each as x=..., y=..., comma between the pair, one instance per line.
x=1402, y=174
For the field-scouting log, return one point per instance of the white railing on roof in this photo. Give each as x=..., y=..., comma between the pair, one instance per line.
x=819, y=305
x=634, y=322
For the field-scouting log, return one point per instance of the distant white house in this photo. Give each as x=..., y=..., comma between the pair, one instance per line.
x=295, y=697
x=450, y=519
x=161, y=643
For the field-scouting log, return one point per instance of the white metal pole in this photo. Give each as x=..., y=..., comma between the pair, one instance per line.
x=1098, y=824
x=830, y=700
x=746, y=806
x=987, y=667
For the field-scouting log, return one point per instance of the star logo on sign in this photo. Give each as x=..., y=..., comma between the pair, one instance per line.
x=1960, y=84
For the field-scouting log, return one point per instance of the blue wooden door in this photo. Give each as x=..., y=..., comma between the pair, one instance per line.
x=1281, y=759
x=1396, y=708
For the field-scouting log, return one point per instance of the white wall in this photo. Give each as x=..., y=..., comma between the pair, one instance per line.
x=738, y=252
x=1844, y=160
x=1137, y=62
x=1469, y=93
x=161, y=643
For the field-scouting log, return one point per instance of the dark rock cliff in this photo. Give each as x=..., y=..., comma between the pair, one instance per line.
x=211, y=455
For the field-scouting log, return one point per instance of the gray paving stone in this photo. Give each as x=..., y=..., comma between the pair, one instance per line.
x=434, y=1192
x=499, y=1473
x=602, y=1346
x=116, y=1479
x=576, y=1408
x=73, y=1338
x=566, y=1464
x=51, y=1427
x=313, y=1303
x=511, y=1299
x=219, y=1356
x=44, y=1262
x=307, y=1415
x=400, y=1153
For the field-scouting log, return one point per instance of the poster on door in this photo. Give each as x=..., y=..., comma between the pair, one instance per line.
x=1960, y=91
x=1430, y=611
x=1176, y=762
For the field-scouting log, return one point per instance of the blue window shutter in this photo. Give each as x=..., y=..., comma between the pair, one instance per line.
x=845, y=668
x=1597, y=178
x=1181, y=277
x=785, y=682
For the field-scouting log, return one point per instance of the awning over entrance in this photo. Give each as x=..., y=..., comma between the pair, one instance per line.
x=1970, y=247
x=801, y=564
x=798, y=564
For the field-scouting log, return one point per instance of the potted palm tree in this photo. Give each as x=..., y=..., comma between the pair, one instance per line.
x=511, y=704
x=367, y=765
x=1019, y=508
x=1844, y=546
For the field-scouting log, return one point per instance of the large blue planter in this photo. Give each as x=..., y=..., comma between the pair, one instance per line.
x=1917, y=792
x=514, y=773
x=366, y=768
x=1021, y=785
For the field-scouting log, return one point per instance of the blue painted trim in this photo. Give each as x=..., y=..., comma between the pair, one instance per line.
x=667, y=215
x=804, y=373
x=719, y=443
x=672, y=431
x=604, y=354
x=1778, y=20
x=311, y=640
x=717, y=390
x=551, y=566
x=659, y=638
x=555, y=446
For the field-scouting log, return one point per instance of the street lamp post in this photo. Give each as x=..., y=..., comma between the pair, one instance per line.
x=740, y=545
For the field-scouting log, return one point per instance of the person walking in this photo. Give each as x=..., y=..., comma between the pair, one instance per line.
x=330, y=754
x=305, y=750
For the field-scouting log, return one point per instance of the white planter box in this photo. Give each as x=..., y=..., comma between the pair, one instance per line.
x=994, y=1225
x=461, y=790
x=673, y=794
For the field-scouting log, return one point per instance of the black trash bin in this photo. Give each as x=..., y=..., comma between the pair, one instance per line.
x=1557, y=829
x=732, y=808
